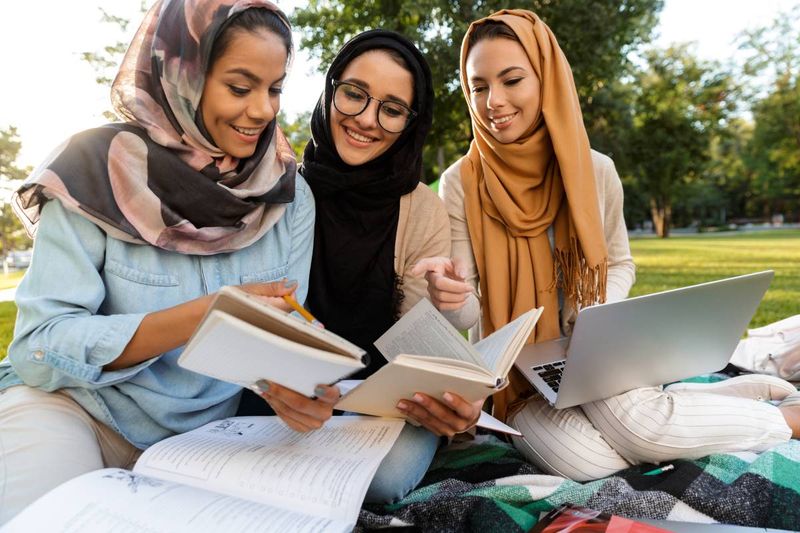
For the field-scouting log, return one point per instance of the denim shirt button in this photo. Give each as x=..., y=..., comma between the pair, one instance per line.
x=38, y=355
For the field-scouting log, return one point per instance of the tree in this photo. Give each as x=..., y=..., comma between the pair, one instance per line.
x=297, y=131
x=773, y=67
x=106, y=61
x=679, y=104
x=11, y=232
x=596, y=38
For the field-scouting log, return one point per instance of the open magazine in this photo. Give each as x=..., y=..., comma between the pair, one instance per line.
x=242, y=475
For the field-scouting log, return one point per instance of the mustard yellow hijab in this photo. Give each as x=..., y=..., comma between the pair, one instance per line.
x=514, y=192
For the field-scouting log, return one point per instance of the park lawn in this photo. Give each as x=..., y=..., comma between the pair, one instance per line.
x=8, y=314
x=669, y=263
x=11, y=280
x=675, y=262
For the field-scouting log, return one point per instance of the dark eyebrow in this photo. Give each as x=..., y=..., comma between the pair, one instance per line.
x=499, y=74
x=364, y=85
x=507, y=70
x=250, y=76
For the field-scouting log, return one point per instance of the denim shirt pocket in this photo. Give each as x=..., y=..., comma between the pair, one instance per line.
x=133, y=289
x=272, y=274
x=140, y=276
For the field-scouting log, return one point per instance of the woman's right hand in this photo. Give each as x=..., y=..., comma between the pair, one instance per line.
x=272, y=292
x=297, y=411
x=446, y=286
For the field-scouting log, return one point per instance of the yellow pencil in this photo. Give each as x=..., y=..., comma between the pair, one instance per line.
x=289, y=299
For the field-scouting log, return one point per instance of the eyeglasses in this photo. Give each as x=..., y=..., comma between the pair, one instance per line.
x=352, y=100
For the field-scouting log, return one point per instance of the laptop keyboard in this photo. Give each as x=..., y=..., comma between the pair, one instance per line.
x=551, y=373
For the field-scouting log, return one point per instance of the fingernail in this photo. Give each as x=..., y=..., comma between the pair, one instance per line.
x=448, y=397
x=289, y=283
x=402, y=406
x=319, y=391
x=317, y=323
x=261, y=386
x=418, y=398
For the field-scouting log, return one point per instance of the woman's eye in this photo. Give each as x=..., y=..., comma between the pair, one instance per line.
x=276, y=90
x=238, y=91
x=476, y=90
x=513, y=81
x=354, y=95
x=392, y=111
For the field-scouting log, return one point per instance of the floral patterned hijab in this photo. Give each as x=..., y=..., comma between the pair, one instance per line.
x=159, y=178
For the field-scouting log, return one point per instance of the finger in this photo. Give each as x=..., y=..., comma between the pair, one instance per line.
x=466, y=410
x=271, y=288
x=437, y=415
x=327, y=394
x=446, y=284
x=423, y=417
x=288, y=412
x=448, y=297
x=447, y=416
x=460, y=267
x=444, y=306
x=288, y=417
x=312, y=409
x=274, y=301
x=431, y=264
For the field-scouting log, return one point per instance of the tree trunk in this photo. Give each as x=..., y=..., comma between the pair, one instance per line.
x=440, y=160
x=662, y=217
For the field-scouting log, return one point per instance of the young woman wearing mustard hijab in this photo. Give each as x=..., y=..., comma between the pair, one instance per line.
x=536, y=219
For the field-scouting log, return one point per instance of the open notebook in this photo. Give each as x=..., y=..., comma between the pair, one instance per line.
x=243, y=339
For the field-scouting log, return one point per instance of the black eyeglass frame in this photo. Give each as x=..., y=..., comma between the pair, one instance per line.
x=337, y=83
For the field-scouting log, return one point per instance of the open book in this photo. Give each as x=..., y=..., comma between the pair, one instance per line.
x=243, y=339
x=242, y=475
x=426, y=354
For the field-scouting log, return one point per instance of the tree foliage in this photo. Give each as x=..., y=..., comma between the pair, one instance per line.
x=680, y=103
x=773, y=154
x=297, y=131
x=596, y=38
x=12, y=234
x=105, y=61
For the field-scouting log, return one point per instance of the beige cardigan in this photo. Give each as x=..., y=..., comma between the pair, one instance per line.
x=621, y=270
x=423, y=230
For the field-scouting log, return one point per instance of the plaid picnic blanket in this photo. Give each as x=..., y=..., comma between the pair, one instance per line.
x=485, y=485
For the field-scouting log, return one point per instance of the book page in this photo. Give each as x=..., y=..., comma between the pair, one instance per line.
x=324, y=472
x=119, y=501
x=496, y=345
x=254, y=310
x=424, y=331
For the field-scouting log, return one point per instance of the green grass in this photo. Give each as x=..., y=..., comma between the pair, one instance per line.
x=8, y=314
x=10, y=280
x=668, y=263
x=675, y=262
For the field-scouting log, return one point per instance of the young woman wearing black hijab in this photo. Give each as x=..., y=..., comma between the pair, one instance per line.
x=375, y=220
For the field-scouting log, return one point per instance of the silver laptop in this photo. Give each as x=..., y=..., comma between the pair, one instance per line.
x=644, y=341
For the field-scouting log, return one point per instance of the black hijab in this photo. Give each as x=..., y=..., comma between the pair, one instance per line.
x=353, y=288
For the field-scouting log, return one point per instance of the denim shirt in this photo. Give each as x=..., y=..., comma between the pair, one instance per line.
x=86, y=293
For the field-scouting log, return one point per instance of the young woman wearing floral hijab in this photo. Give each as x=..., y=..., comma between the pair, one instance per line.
x=536, y=218
x=136, y=224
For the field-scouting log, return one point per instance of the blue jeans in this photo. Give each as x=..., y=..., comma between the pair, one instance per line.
x=404, y=466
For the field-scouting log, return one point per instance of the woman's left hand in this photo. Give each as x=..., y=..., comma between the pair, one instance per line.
x=444, y=418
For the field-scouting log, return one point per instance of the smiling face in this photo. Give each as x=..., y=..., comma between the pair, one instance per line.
x=242, y=93
x=505, y=92
x=360, y=139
